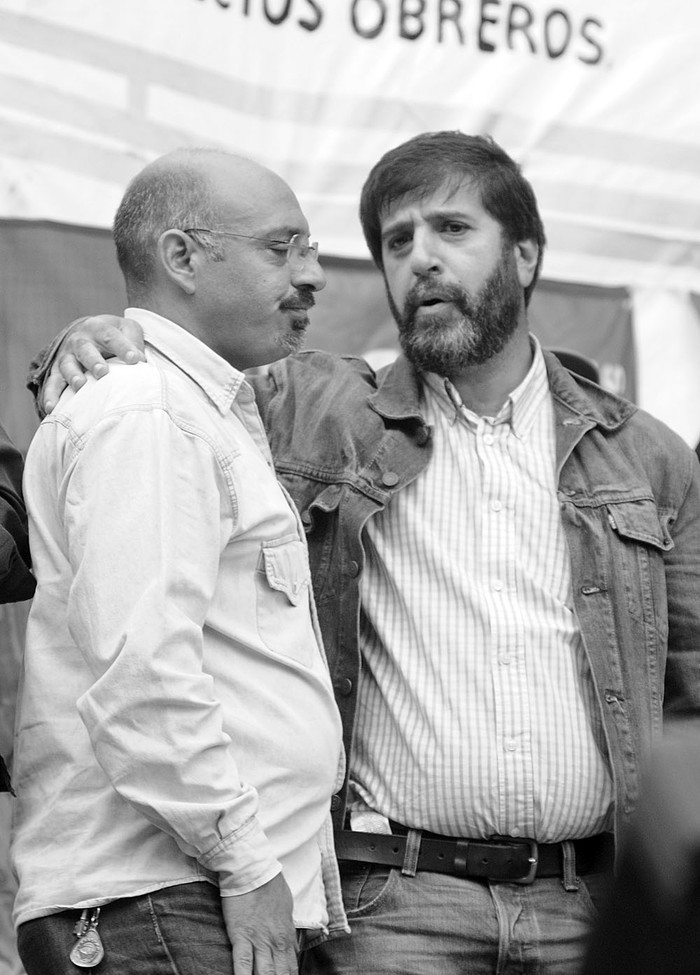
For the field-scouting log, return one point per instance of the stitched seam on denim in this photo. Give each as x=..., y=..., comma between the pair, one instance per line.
x=159, y=936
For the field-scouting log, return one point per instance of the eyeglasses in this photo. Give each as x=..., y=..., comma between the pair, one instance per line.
x=300, y=251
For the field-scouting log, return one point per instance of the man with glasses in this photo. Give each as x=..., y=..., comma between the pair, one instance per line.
x=178, y=741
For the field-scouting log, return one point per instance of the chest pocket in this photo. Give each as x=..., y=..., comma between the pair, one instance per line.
x=645, y=538
x=282, y=593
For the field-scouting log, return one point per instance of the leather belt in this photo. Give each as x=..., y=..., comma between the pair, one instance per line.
x=501, y=859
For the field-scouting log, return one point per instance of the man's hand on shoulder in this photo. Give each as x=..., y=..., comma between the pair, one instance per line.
x=85, y=348
x=261, y=930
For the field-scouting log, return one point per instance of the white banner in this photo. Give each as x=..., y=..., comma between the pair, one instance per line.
x=596, y=98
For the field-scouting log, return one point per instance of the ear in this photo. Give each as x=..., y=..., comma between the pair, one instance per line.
x=526, y=255
x=176, y=251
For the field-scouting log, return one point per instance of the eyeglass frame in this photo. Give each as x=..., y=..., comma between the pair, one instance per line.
x=293, y=247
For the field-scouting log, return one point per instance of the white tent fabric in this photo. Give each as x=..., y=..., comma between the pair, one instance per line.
x=596, y=98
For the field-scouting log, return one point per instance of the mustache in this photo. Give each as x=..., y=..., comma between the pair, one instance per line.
x=301, y=301
x=423, y=292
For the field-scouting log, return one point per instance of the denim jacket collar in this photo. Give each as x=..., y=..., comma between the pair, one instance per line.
x=585, y=399
x=398, y=395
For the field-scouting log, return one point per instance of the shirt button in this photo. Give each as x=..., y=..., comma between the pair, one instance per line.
x=510, y=745
x=515, y=832
x=497, y=585
x=488, y=439
x=496, y=506
x=390, y=478
x=504, y=660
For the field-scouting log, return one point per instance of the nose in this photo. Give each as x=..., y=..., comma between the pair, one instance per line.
x=425, y=258
x=309, y=275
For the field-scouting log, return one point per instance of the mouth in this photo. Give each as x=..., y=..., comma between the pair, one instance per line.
x=434, y=303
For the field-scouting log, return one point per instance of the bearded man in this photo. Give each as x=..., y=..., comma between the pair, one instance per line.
x=506, y=561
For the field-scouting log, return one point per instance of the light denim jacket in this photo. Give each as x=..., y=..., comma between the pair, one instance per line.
x=345, y=440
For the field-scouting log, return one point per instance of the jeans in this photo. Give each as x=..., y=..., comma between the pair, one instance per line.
x=436, y=924
x=174, y=931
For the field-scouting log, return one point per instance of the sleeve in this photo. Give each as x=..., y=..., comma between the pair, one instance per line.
x=147, y=515
x=40, y=366
x=682, y=564
x=16, y=580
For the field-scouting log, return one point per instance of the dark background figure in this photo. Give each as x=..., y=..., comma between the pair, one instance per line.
x=652, y=923
x=16, y=588
x=16, y=580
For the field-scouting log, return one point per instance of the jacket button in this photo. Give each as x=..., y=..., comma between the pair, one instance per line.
x=343, y=687
x=353, y=569
x=390, y=478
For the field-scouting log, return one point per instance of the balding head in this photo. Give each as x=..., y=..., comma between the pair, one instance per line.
x=202, y=238
x=185, y=188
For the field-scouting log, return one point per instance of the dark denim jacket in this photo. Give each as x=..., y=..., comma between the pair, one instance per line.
x=345, y=440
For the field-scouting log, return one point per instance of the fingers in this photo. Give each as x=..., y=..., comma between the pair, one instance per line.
x=133, y=333
x=55, y=384
x=249, y=959
x=104, y=337
x=84, y=357
x=261, y=929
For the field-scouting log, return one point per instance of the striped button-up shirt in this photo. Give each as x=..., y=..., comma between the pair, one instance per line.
x=477, y=713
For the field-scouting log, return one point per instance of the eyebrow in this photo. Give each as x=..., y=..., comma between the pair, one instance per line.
x=437, y=213
x=393, y=228
x=282, y=233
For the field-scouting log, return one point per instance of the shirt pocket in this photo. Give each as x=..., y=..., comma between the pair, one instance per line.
x=282, y=585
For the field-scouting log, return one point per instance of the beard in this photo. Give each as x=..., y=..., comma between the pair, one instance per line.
x=299, y=303
x=470, y=331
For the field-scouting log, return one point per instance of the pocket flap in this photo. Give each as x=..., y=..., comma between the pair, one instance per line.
x=639, y=521
x=286, y=567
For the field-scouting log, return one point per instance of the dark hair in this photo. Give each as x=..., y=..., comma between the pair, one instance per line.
x=423, y=164
x=172, y=192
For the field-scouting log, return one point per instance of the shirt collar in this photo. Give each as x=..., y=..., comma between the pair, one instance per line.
x=219, y=380
x=521, y=406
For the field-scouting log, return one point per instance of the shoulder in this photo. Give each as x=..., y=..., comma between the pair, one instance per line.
x=321, y=367
x=144, y=388
x=320, y=379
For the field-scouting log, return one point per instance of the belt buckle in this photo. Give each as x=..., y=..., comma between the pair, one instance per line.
x=533, y=859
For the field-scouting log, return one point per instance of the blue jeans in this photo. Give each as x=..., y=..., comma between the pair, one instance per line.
x=175, y=931
x=436, y=924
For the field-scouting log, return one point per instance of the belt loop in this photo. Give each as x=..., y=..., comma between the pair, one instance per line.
x=410, y=858
x=569, y=881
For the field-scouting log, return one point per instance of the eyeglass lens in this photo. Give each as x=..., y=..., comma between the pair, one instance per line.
x=300, y=251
